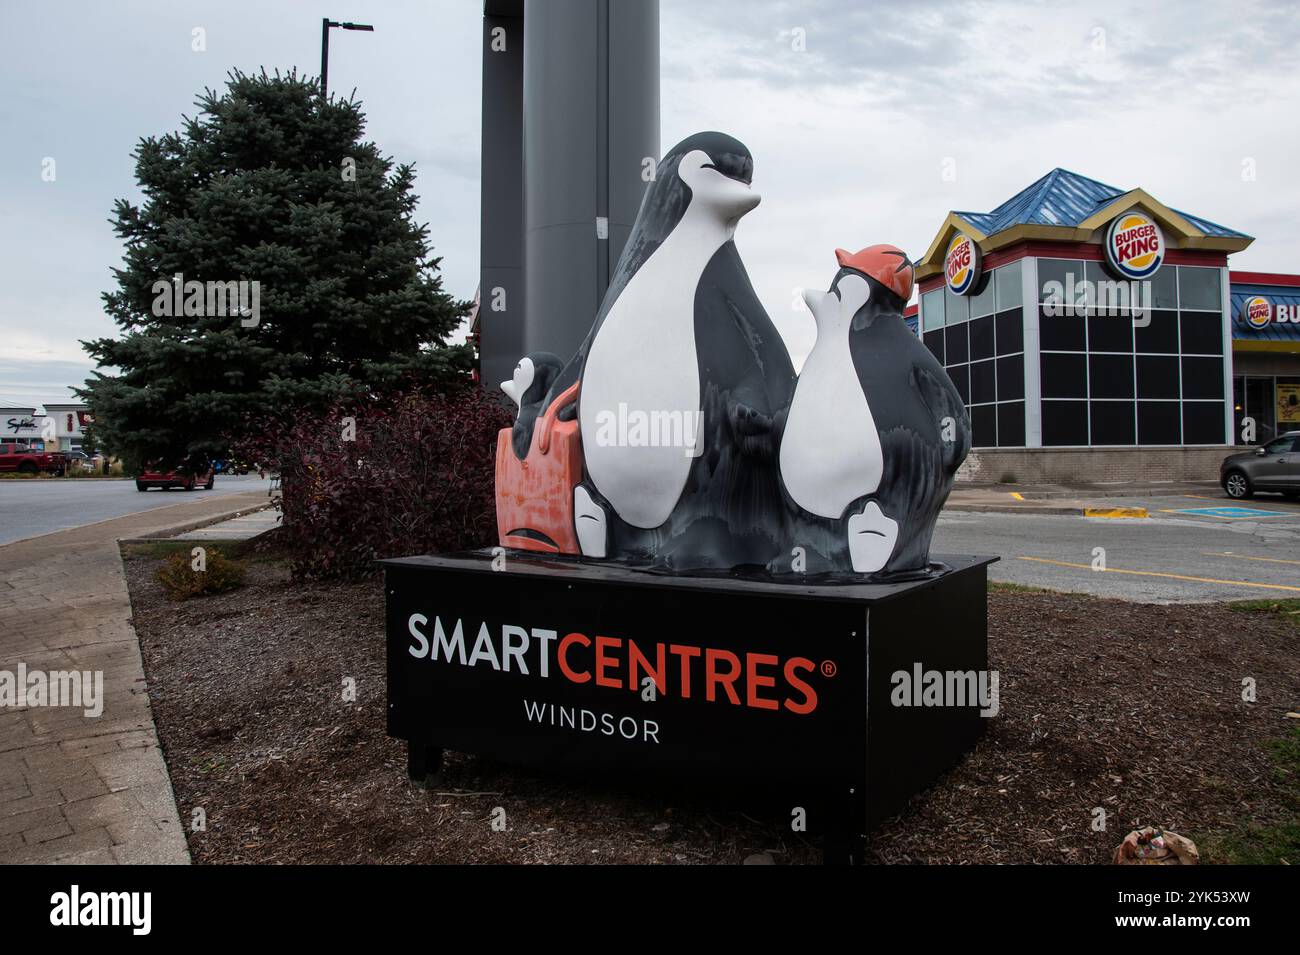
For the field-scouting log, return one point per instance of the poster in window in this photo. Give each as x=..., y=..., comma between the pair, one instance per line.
x=1288, y=405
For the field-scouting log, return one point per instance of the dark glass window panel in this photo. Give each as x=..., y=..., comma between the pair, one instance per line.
x=1198, y=288
x=1011, y=332
x=1164, y=288
x=1110, y=333
x=934, y=342
x=1010, y=291
x=1202, y=422
x=1157, y=376
x=1202, y=377
x=1058, y=270
x=1064, y=333
x=1202, y=333
x=1011, y=425
x=1112, y=422
x=960, y=375
x=1065, y=423
x=984, y=426
x=1238, y=407
x=1064, y=376
x=1110, y=376
x=1158, y=422
x=954, y=337
x=956, y=308
x=1011, y=377
x=982, y=385
x=1160, y=335
x=981, y=338
x=983, y=299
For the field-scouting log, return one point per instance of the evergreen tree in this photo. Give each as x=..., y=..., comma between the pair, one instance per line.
x=268, y=184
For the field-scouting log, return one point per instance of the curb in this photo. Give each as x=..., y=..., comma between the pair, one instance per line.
x=171, y=533
x=1072, y=510
x=1117, y=512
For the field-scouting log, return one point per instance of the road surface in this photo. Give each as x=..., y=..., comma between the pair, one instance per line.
x=37, y=506
x=1191, y=548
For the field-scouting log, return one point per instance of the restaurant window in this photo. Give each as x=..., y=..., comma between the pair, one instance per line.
x=1118, y=376
x=983, y=353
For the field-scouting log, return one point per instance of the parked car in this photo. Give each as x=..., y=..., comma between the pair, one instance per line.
x=1273, y=467
x=188, y=476
x=21, y=458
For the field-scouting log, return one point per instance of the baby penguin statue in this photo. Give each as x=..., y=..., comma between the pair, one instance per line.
x=876, y=430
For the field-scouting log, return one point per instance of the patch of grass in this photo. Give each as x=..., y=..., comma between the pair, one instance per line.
x=1264, y=845
x=156, y=549
x=1283, y=609
x=182, y=580
x=999, y=586
x=1257, y=845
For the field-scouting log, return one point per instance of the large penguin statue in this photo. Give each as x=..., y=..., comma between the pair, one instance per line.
x=876, y=430
x=683, y=381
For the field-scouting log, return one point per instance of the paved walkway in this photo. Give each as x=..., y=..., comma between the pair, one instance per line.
x=78, y=788
x=1093, y=500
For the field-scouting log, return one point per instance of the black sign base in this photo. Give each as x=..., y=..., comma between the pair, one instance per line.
x=840, y=701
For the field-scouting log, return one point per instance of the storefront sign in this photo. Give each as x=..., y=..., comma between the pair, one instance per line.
x=1258, y=313
x=962, y=264
x=1134, y=246
x=604, y=671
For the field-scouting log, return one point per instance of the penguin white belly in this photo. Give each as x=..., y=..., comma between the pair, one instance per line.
x=639, y=408
x=830, y=451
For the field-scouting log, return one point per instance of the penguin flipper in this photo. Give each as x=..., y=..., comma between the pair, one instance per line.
x=950, y=416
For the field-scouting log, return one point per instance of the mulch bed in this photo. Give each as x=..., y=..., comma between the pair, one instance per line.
x=1133, y=708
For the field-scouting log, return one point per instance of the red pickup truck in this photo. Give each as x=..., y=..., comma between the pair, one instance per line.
x=21, y=458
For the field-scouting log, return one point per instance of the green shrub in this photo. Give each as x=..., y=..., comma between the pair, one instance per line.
x=181, y=580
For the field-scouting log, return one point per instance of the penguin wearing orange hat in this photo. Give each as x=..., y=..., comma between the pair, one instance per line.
x=875, y=432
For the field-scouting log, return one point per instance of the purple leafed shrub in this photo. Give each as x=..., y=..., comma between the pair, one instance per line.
x=409, y=473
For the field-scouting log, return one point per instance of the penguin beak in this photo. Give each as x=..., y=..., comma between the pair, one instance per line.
x=509, y=388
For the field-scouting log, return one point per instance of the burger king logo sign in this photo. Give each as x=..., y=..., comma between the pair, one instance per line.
x=1135, y=246
x=961, y=266
x=1257, y=312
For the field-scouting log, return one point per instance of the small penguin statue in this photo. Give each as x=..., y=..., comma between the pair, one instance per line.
x=876, y=430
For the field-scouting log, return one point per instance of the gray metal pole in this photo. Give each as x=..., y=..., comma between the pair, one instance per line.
x=591, y=119
x=586, y=124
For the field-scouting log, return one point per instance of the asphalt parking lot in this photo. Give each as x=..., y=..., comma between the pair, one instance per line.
x=37, y=506
x=1200, y=547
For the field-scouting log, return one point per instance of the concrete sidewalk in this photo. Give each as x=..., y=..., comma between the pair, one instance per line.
x=1088, y=500
x=75, y=788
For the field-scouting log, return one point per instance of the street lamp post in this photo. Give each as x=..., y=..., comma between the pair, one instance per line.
x=325, y=25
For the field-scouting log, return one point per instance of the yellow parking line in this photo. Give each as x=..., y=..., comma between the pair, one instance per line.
x=1271, y=560
x=1155, y=573
x=1017, y=495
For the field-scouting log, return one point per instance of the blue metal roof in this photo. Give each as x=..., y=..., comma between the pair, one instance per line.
x=1064, y=198
x=1275, y=331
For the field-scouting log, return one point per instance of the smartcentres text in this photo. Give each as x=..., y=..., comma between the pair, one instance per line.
x=762, y=681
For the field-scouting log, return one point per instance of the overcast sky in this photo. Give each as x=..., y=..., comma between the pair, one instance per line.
x=851, y=135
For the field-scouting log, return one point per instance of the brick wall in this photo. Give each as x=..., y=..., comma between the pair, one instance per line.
x=1092, y=465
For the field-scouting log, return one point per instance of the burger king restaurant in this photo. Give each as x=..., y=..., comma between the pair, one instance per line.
x=1096, y=334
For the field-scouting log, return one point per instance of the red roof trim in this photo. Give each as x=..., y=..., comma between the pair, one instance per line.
x=1264, y=278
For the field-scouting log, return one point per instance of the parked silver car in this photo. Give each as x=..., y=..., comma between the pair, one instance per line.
x=1272, y=467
